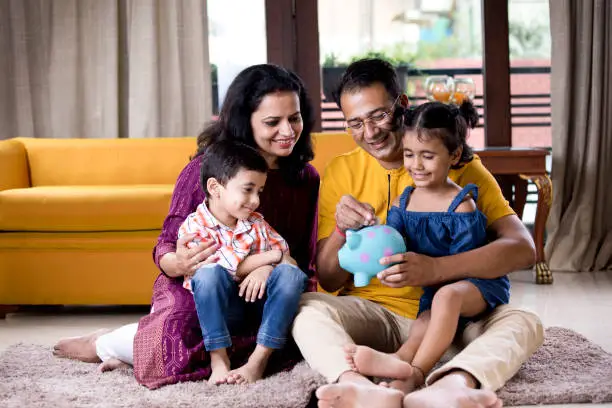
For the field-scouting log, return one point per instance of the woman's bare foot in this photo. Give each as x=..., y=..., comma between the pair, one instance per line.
x=112, y=364
x=356, y=395
x=220, y=366
x=82, y=348
x=452, y=391
x=368, y=361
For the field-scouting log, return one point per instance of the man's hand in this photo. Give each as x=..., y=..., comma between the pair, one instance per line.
x=410, y=269
x=253, y=287
x=352, y=214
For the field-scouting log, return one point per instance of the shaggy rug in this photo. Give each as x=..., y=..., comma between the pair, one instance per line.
x=567, y=369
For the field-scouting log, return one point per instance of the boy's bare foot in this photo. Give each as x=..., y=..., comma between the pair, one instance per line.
x=368, y=361
x=248, y=373
x=451, y=391
x=220, y=365
x=357, y=395
x=111, y=364
x=82, y=348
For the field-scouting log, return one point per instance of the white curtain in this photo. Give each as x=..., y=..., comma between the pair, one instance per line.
x=580, y=224
x=103, y=68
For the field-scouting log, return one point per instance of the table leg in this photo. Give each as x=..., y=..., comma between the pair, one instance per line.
x=520, y=196
x=544, y=185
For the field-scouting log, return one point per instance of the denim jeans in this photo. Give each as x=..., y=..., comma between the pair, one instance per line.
x=220, y=308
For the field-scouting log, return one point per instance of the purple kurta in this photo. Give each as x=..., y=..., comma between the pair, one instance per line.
x=168, y=347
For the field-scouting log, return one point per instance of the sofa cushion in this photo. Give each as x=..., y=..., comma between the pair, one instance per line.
x=85, y=208
x=102, y=162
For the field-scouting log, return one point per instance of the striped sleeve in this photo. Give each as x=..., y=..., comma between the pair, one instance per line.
x=275, y=241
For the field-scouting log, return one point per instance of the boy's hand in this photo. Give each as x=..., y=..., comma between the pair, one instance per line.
x=253, y=286
x=277, y=256
x=287, y=259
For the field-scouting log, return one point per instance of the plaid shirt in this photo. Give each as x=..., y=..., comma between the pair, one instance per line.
x=251, y=236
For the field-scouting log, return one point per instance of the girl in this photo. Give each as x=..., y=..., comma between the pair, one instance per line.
x=437, y=218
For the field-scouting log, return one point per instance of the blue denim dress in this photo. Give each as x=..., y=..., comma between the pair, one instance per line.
x=439, y=234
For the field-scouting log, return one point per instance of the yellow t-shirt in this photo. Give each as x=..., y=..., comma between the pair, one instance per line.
x=358, y=174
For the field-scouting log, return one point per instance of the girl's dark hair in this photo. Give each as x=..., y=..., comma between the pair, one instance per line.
x=243, y=97
x=448, y=122
x=223, y=160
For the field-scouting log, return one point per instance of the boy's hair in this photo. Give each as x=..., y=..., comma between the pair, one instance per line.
x=222, y=160
x=448, y=122
x=365, y=73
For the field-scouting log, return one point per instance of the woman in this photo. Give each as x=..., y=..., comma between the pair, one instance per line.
x=266, y=107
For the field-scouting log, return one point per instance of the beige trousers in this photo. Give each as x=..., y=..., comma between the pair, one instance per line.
x=496, y=346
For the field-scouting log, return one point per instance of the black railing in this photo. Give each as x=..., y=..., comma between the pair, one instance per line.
x=333, y=120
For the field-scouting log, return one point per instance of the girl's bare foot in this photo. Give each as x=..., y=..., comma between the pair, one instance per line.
x=357, y=395
x=82, y=348
x=220, y=365
x=112, y=364
x=451, y=391
x=368, y=361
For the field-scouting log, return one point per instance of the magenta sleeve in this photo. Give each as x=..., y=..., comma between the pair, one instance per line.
x=186, y=197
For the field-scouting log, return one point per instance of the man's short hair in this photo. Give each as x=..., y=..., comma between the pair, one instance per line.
x=365, y=73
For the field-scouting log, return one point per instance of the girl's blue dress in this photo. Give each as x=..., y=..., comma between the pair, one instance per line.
x=438, y=234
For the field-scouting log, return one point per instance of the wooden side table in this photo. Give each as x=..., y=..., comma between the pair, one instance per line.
x=521, y=165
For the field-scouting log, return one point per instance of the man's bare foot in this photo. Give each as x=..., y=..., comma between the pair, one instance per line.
x=82, y=348
x=247, y=374
x=220, y=365
x=452, y=391
x=112, y=364
x=355, y=395
x=368, y=361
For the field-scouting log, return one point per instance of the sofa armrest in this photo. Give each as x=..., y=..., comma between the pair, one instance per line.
x=13, y=165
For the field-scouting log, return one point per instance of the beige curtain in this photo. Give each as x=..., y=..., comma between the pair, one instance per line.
x=580, y=224
x=103, y=68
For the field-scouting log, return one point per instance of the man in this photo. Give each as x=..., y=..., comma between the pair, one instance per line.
x=356, y=188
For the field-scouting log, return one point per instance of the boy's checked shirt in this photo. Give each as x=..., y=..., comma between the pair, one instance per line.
x=251, y=236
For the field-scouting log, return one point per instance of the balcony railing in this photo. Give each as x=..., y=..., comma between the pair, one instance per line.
x=527, y=110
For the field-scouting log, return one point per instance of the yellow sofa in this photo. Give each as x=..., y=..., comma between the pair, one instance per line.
x=79, y=218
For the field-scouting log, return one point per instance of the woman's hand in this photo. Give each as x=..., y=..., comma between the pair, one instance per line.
x=352, y=214
x=410, y=269
x=190, y=257
x=253, y=287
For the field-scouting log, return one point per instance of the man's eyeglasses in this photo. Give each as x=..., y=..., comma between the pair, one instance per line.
x=357, y=126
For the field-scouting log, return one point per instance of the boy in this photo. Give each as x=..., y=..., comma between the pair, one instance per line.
x=252, y=261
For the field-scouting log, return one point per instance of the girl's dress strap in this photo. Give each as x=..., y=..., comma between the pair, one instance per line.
x=405, y=197
x=469, y=189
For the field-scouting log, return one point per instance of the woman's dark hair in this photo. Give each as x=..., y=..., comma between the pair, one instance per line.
x=243, y=97
x=448, y=122
x=222, y=161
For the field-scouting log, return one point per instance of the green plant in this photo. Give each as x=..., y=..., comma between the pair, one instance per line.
x=331, y=60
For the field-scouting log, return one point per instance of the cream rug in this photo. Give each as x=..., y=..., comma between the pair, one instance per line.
x=567, y=369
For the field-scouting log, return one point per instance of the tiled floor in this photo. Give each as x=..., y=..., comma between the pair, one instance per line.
x=582, y=302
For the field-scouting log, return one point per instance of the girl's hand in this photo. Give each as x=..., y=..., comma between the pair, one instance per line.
x=253, y=287
x=190, y=257
x=410, y=269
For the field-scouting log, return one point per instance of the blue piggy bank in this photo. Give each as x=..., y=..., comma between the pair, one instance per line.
x=361, y=253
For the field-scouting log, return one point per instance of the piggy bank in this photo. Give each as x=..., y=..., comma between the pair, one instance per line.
x=361, y=253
